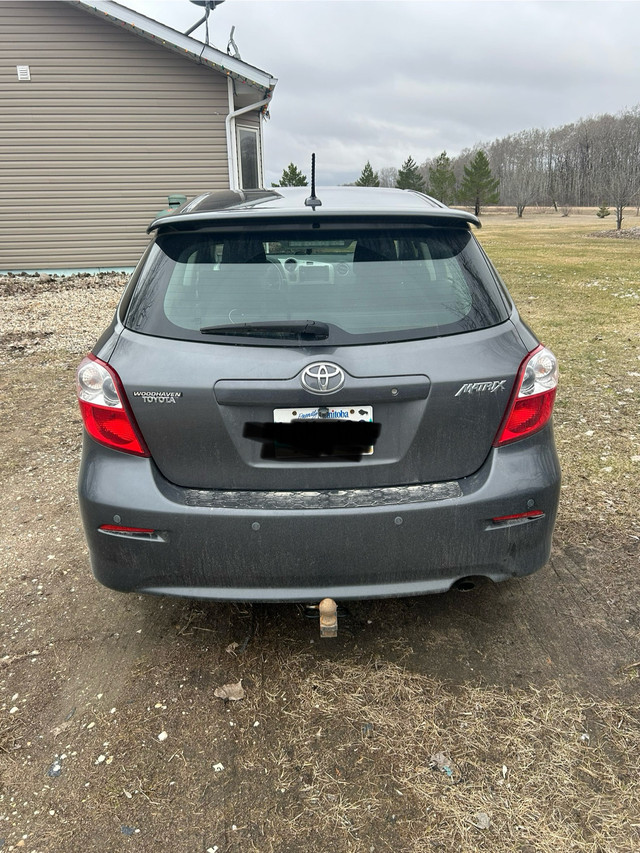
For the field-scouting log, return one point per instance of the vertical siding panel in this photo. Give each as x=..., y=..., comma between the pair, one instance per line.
x=108, y=126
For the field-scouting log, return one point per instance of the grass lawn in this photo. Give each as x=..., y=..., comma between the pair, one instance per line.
x=581, y=295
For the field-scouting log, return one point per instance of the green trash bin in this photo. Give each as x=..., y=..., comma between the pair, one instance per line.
x=175, y=200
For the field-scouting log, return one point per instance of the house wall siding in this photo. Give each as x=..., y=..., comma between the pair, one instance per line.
x=108, y=126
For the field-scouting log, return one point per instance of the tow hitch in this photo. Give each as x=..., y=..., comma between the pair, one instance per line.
x=328, y=611
x=328, y=618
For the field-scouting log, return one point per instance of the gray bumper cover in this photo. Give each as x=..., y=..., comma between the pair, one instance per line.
x=304, y=546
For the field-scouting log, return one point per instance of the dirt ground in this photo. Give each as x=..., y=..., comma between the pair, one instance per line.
x=502, y=719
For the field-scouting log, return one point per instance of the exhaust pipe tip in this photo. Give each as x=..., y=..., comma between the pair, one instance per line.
x=465, y=584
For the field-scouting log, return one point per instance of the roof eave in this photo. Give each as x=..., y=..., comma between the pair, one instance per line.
x=190, y=48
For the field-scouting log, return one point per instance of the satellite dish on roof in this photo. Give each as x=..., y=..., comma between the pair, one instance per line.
x=208, y=6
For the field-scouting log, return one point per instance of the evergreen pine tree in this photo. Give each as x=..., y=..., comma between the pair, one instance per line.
x=409, y=177
x=442, y=181
x=368, y=178
x=291, y=177
x=478, y=184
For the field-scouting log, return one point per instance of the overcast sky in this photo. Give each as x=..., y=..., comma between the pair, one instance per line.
x=378, y=80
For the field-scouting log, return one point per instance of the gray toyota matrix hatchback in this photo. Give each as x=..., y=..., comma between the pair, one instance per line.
x=298, y=400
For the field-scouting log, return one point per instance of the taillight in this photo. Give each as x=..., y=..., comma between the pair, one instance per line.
x=104, y=408
x=531, y=406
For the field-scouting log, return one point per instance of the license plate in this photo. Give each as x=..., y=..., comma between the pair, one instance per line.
x=317, y=417
x=321, y=413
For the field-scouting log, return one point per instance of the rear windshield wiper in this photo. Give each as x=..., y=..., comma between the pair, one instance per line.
x=305, y=330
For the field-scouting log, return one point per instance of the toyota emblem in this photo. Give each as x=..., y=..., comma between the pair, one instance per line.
x=322, y=377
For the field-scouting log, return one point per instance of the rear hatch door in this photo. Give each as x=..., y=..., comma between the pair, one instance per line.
x=405, y=322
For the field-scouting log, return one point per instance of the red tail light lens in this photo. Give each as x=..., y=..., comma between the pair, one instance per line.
x=104, y=408
x=531, y=405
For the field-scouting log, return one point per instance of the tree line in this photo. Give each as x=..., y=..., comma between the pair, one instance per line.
x=478, y=186
x=592, y=162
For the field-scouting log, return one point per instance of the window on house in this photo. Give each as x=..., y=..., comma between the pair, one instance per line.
x=248, y=158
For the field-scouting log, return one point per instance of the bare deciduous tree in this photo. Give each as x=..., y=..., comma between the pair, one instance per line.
x=519, y=163
x=619, y=163
x=388, y=176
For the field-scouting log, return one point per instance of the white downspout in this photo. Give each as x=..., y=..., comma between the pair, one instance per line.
x=231, y=140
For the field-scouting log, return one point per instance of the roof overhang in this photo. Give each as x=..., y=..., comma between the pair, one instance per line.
x=190, y=48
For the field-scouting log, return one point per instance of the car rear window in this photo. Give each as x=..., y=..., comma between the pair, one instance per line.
x=367, y=284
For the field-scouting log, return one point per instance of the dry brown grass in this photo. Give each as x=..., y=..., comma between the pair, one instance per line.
x=550, y=771
x=350, y=756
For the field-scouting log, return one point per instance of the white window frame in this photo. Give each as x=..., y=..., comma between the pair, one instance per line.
x=255, y=130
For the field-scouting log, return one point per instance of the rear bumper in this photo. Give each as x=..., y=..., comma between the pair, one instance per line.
x=304, y=546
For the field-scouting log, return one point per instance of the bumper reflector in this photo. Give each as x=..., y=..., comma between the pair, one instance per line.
x=145, y=533
x=520, y=516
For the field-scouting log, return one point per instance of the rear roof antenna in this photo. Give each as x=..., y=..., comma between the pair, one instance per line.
x=312, y=201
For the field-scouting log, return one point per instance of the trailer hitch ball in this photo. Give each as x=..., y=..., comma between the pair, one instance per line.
x=328, y=618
